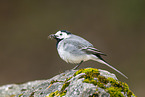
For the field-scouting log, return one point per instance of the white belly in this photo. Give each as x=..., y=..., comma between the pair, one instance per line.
x=70, y=58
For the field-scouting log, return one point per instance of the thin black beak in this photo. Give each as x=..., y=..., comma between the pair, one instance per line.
x=52, y=36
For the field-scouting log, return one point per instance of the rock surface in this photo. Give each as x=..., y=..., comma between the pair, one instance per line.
x=87, y=82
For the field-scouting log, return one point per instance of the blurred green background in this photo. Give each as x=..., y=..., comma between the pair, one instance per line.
x=116, y=27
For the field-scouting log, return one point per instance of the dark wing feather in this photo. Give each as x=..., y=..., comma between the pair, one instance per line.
x=92, y=50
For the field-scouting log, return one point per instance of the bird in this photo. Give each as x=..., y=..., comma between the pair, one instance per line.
x=76, y=50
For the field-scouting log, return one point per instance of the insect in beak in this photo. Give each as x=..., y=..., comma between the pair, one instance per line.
x=52, y=36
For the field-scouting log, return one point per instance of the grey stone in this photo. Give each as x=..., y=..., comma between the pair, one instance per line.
x=62, y=84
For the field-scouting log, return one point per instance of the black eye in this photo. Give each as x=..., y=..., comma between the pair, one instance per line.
x=60, y=34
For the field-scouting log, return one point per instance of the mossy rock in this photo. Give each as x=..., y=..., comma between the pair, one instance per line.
x=88, y=82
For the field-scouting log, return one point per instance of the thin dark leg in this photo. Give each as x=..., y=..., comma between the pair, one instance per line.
x=77, y=65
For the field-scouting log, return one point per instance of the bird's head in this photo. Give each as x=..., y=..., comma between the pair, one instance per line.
x=63, y=34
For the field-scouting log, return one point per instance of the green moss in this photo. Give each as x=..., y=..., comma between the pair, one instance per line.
x=92, y=76
x=94, y=95
x=90, y=81
x=101, y=85
x=102, y=79
x=20, y=95
x=119, y=87
x=67, y=79
x=53, y=94
x=87, y=71
x=32, y=94
x=63, y=93
x=23, y=89
x=12, y=95
x=41, y=93
x=55, y=81
x=60, y=93
x=56, y=94
x=115, y=92
x=65, y=85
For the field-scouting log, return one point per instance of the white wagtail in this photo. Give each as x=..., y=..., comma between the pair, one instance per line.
x=74, y=49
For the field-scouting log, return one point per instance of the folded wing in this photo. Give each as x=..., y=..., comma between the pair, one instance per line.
x=92, y=50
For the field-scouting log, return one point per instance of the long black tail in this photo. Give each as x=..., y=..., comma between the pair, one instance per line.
x=101, y=60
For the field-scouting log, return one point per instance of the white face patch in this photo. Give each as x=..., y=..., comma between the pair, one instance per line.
x=62, y=35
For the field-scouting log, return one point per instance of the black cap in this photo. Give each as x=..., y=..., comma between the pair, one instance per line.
x=65, y=31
